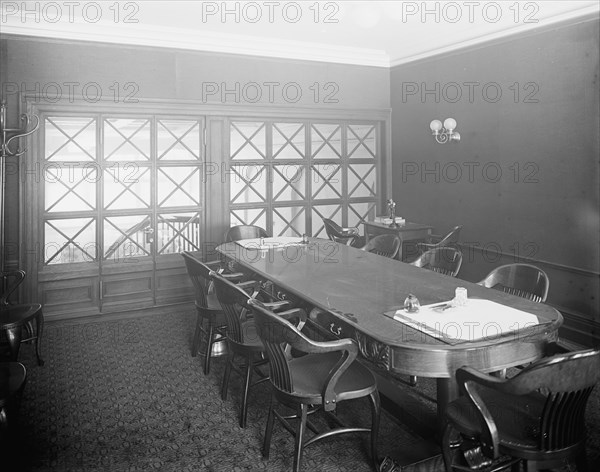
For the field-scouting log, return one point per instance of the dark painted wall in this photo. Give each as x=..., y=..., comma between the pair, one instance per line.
x=86, y=71
x=524, y=179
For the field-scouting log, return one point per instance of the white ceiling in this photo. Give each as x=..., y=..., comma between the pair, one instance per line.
x=376, y=33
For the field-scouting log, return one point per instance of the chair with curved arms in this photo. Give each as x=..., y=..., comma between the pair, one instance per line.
x=242, y=338
x=336, y=233
x=15, y=318
x=444, y=260
x=537, y=416
x=387, y=245
x=327, y=375
x=210, y=321
x=449, y=240
x=236, y=233
x=522, y=280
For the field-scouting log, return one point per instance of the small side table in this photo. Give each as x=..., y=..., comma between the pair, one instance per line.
x=13, y=318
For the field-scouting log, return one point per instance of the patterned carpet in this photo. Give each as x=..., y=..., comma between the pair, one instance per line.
x=126, y=395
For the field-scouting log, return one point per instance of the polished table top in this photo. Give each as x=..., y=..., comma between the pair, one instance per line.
x=357, y=288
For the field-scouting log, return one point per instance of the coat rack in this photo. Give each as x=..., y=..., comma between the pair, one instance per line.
x=10, y=136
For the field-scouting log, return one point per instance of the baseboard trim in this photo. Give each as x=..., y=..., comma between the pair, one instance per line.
x=80, y=318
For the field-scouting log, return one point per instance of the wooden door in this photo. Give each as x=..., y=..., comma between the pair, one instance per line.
x=120, y=197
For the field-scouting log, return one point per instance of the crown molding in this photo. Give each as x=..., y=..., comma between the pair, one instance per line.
x=484, y=38
x=206, y=41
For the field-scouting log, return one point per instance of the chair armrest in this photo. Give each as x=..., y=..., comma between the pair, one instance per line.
x=467, y=379
x=294, y=313
x=349, y=350
x=354, y=231
x=278, y=305
x=424, y=247
x=250, y=285
x=232, y=276
x=18, y=276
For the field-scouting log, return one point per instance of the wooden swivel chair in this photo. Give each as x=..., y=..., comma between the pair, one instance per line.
x=536, y=417
x=242, y=339
x=236, y=233
x=387, y=245
x=210, y=320
x=444, y=260
x=341, y=235
x=326, y=376
x=449, y=240
x=523, y=280
x=16, y=318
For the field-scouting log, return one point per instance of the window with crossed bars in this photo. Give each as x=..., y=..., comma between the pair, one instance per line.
x=287, y=176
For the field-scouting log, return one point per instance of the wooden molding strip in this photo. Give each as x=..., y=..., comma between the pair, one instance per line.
x=576, y=270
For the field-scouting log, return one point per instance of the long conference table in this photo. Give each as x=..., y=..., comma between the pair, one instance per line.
x=351, y=293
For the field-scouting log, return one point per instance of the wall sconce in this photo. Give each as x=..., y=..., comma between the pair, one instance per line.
x=9, y=134
x=444, y=134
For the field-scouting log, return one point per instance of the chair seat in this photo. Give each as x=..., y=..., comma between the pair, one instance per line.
x=12, y=316
x=250, y=335
x=517, y=418
x=309, y=374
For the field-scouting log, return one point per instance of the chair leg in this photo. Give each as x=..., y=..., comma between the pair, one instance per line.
x=447, y=447
x=375, y=417
x=247, y=380
x=269, y=429
x=197, y=335
x=300, y=429
x=38, y=340
x=226, y=375
x=209, y=345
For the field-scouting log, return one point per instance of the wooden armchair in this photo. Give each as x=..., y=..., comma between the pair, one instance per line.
x=327, y=375
x=522, y=280
x=537, y=416
x=16, y=318
x=336, y=233
x=210, y=322
x=449, y=240
x=444, y=260
x=387, y=245
x=243, y=341
x=236, y=233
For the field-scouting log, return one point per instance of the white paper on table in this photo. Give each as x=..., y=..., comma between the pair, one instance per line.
x=477, y=320
x=269, y=243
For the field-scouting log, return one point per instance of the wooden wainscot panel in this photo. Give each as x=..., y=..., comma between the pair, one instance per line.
x=173, y=285
x=127, y=290
x=69, y=295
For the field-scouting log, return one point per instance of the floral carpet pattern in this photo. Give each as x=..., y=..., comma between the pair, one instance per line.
x=126, y=395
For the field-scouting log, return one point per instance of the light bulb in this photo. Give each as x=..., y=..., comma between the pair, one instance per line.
x=450, y=124
x=456, y=136
x=435, y=125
